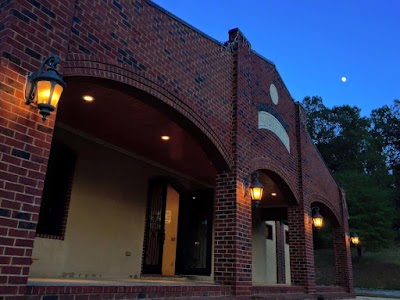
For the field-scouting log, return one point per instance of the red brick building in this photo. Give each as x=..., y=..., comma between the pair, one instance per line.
x=95, y=205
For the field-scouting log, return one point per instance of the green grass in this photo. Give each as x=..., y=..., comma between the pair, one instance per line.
x=374, y=270
x=378, y=270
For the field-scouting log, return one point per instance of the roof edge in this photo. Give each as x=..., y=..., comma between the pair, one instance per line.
x=163, y=10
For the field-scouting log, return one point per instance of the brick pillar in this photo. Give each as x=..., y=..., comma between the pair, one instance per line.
x=341, y=246
x=24, y=148
x=301, y=248
x=24, y=139
x=280, y=252
x=232, y=241
x=302, y=267
x=342, y=250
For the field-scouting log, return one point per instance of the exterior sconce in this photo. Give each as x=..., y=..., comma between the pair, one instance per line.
x=318, y=220
x=256, y=188
x=45, y=87
x=355, y=240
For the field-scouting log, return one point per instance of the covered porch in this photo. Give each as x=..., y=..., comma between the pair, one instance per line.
x=128, y=196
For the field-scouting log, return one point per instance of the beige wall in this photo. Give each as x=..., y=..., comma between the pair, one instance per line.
x=258, y=252
x=270, y=245
x=106, y=220
x=264, y=254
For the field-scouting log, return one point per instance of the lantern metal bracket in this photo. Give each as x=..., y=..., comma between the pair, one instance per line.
x=316, y=209
x=51, y=62
x=248, y=180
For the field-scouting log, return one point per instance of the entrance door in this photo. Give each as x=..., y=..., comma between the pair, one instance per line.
x=195, y=233
x=171, y=232
x=178, y=237
x=161, y=229
x=155, y=233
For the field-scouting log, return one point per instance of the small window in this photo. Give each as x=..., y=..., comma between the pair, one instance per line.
x=269, y=232
x=56, y=192
x=287, y=237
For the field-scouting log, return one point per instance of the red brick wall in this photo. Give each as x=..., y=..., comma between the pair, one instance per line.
x=162, y=52
x=33, y=30
x=260, y=145
x=217, y=87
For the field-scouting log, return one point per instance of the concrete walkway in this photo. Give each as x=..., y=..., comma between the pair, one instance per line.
x=375, y=298
x=366, y=294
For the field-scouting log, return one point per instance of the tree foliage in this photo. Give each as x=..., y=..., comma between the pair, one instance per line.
x=363, y=154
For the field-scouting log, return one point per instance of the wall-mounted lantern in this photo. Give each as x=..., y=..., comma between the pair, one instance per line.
x=318, y=220
x=355, y=240
x=45, y=87
x=256, y=188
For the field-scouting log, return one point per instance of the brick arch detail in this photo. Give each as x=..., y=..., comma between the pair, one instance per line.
x=85, y=65
x=269, y=164
x=319, y=199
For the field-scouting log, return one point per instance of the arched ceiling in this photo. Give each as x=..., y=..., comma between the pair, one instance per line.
x=117, y=117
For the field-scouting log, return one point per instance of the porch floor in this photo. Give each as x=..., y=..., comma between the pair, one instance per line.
x=184, y=281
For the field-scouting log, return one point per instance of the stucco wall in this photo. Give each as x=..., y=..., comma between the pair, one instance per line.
x=106, y=217
x=264, y=254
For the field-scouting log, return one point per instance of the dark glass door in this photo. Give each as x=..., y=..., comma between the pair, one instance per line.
x=195, y=233
x=155, y=234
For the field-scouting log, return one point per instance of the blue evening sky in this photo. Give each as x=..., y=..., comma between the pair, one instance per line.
x=314, y=43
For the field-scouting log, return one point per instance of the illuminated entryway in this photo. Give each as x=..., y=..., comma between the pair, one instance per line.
x=178, y=234
x=126, y=202
x=327, y=244
x=270, y=234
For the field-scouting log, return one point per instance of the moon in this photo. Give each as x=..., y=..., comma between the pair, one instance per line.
x=344, y=79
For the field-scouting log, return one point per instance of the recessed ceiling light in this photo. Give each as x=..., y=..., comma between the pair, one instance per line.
x=165, y=138
x=273, y=194
x=88, y=98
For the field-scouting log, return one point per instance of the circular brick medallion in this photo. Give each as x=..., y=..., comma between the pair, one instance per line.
x=274, y=93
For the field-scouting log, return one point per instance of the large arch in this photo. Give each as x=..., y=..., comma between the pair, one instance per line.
x=138, y=84
x=327, y=208
x=264, y=163
x=107, y=172
x=270, y=229
x=328, y=244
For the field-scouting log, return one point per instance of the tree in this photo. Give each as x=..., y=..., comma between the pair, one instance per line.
x=356, y=150
x=386, y=130
x=370, y=208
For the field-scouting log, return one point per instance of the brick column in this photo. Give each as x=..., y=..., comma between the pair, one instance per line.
x=280, y=252
x=341, y=246
x=32, y=30
x=301, y=249
x=232, y=241
x=24, y=148
x=302, y=267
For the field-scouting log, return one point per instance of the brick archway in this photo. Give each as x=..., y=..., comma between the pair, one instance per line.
x=83, y=65
x=261, y=163
x=333, y=213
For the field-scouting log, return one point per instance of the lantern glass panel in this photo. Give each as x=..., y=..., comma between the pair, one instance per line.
x=58, y=89
x=318, y=222
x=45, y=90
x=256, y=193
x=355, y=240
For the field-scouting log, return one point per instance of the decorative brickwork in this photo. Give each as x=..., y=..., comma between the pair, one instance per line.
x=218, y=89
